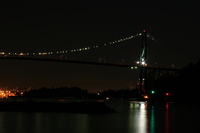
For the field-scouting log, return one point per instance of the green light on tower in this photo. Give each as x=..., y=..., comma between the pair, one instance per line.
x=152, y=92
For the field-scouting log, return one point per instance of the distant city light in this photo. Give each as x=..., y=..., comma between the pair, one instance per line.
x=21, y=54
x=5, y=92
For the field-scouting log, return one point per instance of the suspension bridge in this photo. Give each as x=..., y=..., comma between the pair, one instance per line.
x=141, y=64
x=50, y=55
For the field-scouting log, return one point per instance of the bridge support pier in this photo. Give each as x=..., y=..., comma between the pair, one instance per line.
x=143, y=64
x=143, y=79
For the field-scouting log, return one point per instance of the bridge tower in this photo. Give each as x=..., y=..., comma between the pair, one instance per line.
x=143, y=64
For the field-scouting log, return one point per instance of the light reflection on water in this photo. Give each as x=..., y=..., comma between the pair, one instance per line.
x=138, y=117
x=166, y=118
x=152, y=121
x=132, y=117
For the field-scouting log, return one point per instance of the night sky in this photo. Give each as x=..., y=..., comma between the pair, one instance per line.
x=35, y=26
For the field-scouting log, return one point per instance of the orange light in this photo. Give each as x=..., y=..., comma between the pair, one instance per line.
x=146, y=96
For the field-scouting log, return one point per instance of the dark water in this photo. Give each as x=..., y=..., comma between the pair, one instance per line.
x=132, y=117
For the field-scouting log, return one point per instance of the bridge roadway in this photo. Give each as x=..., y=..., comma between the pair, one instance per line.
x=86, y=62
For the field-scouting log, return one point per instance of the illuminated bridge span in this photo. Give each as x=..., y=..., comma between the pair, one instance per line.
x=141, y=64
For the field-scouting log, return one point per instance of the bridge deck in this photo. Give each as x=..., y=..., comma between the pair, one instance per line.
x=87, y=62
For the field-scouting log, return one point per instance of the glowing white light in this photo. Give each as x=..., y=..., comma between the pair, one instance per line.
x=142, y=62
x=135, y=67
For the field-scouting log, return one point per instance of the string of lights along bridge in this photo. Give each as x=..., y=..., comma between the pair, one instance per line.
x=44, y=55
x=7, y=53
